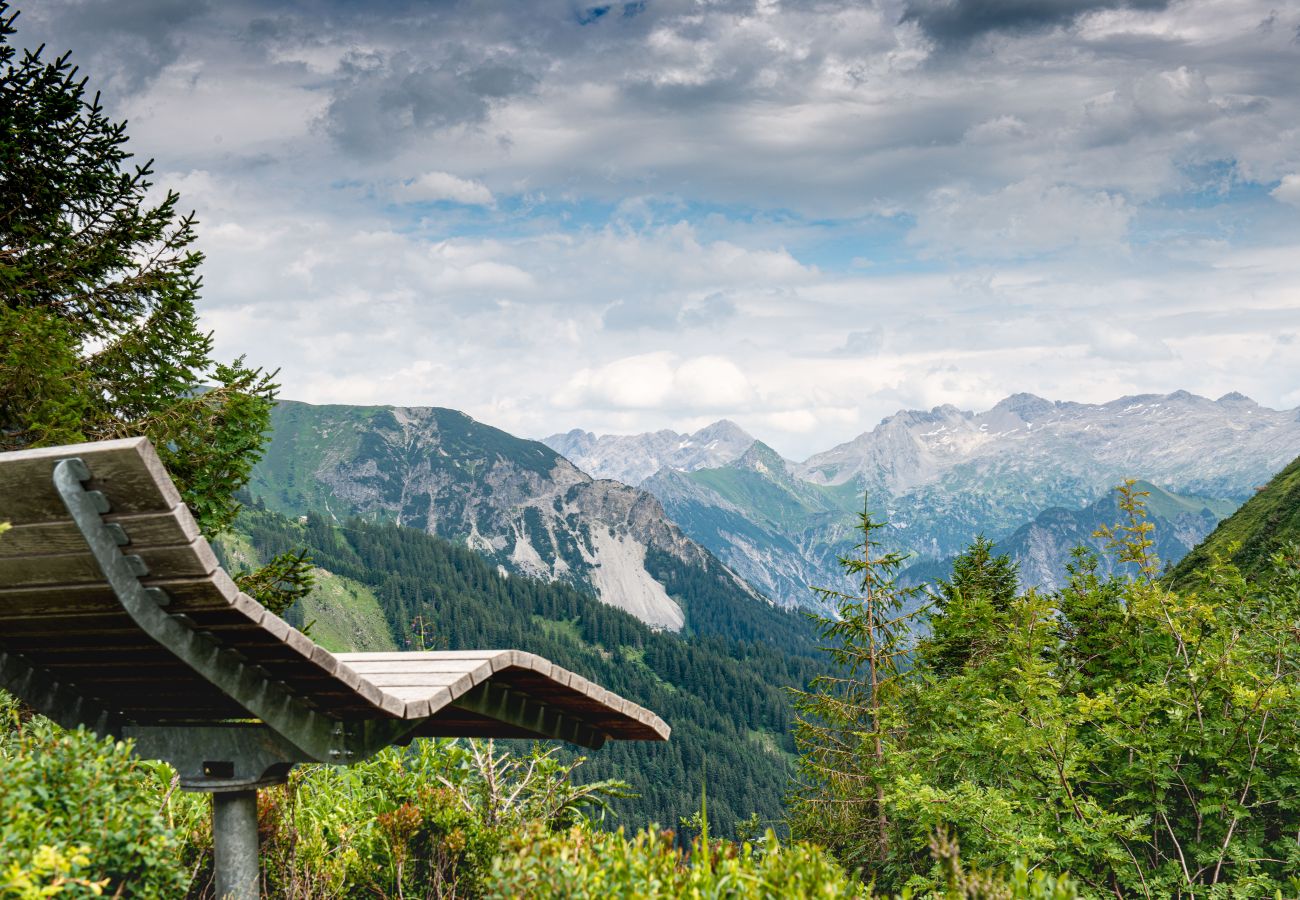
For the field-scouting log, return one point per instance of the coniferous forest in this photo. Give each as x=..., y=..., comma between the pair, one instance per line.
x=726, y=695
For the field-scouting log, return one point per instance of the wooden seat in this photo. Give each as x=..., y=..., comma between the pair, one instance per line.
x=60, y=614
x=115, y=615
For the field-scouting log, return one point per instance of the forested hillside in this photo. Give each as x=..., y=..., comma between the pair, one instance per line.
x=1041, y=549
x=724, y=691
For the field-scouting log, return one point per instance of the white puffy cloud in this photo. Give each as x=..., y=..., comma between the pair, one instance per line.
x=660, y=381
x=432, y=186
x=1288, y=190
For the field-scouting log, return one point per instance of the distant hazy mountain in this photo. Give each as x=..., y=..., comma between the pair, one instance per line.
x=1042, y=547
x=516, y=501
x=633, y=458
x=1218, y=448
x=941, y=477
x=780, y=533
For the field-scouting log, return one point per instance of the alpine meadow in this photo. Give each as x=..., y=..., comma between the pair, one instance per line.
x=744, y=449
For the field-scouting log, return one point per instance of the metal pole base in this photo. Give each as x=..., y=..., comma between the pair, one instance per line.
x=234, y=844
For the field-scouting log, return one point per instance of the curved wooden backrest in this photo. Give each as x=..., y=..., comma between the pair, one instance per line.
x=61, y=619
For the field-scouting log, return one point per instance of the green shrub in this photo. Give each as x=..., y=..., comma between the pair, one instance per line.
x=586, y=864
x=81, y=814
x=423, y=821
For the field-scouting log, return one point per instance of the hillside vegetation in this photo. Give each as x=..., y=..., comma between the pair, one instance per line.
x=724, y=693
x=1251, y=535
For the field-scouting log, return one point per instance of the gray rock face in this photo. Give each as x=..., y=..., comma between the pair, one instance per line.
x=1215, y=447
x=632, y=459
x=516, y=501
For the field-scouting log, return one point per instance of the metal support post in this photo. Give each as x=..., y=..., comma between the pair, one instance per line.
x=234, y=844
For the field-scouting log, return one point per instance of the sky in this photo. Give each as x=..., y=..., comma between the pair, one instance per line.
x=802, y=216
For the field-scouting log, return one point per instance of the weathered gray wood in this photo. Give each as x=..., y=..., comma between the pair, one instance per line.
x=126, y=470
x=213, y=591
x=56, y=604
x=430, y=680
x=385, y=672
x=403, y=655
x=193, y=560
x=176, y=526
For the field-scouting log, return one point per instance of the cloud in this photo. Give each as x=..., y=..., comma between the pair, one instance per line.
x=429, y=203
x=660, y=381
x=126, y=43
x=960, y=21
x=861, y=343
x=386, y=99
x=1022, y=219
x=1288, y=190
x=433, y=186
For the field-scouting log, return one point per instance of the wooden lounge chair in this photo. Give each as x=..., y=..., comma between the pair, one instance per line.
x=115, y=615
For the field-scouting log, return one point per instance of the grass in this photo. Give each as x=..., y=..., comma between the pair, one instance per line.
x=1253, y=533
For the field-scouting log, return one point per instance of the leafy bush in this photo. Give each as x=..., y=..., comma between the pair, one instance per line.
x=586, y=864
x=423, y=821
x=81, y=815
x=1142, y=739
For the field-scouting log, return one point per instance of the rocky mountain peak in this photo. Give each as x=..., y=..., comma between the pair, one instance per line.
x=723, y=430
x=1028, y=407
x=632, y=458
x=1235, y=399
x=762, y=458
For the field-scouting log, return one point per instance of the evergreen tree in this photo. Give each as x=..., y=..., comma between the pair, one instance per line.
x=845, y=728
x=968, y=605
x=99, y=337
x=1140, y=738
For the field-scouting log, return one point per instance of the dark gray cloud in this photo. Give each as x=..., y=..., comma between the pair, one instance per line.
x=125, y=43
x=384, y=100
x=955, y=22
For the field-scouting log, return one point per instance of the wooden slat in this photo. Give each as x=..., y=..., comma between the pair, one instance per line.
x=382, y=672
x=397, y=655
x=193, y=560
x=176, y=526
x=428, y=680
x=213, y=591
x=128, y=471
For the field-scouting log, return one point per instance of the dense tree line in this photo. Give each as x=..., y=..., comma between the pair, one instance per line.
x=1139, y=737
x=725, y=695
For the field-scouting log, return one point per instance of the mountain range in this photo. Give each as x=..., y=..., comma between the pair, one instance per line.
x=723, y=523
x=942, y=476
x=349, y=475
x=517, y=502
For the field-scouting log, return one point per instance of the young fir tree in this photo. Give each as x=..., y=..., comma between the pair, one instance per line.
x=968, y=605
x=846, y=724
x=99, y=337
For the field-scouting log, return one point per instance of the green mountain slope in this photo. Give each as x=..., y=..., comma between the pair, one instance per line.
x=725, y=695
x=1258, y=529
x=515, y=501
x=343, y=615
x=778, y=532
